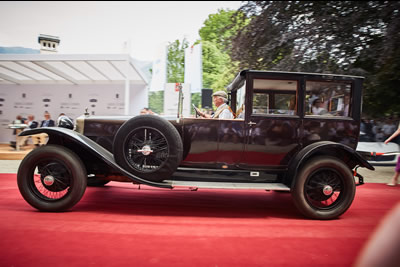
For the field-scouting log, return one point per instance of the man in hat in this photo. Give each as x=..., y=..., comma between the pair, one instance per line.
x=220, y=99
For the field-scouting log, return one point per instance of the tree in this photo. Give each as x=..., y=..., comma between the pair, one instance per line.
x=219, y=28
x=156, y=101
x=218, y=68
x=344, y=37
x=176, y=61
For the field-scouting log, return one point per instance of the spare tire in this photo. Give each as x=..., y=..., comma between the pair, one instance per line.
x=149, y=147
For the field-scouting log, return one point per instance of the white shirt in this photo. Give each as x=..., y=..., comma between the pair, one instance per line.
x=225, y=114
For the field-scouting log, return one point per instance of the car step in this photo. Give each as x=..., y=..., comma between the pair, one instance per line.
x=226, y=185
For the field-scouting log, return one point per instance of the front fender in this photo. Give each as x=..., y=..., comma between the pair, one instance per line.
x=58, y=134
x=342, y=152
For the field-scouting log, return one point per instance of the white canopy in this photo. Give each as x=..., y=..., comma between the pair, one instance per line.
x=68, y=69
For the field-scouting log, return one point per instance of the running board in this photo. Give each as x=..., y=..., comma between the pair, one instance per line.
x=225, y=185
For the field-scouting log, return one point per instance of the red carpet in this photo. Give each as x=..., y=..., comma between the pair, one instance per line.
x=119, y=225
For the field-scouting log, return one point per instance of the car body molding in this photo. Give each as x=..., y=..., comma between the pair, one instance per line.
x=317, y=147
x=92, y=147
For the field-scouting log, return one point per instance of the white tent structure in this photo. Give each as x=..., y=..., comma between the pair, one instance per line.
x=61, y=83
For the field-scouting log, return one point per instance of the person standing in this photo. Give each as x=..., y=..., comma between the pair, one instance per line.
x=395, y=177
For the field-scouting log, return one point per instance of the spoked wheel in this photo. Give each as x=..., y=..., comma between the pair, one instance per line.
x=324, y=188
x=52, y=178
x=149, y=147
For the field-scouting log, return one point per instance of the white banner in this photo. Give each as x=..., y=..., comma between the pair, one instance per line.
x=171, y=96
x=159, y=71
x=72, y=100
x=193, y=68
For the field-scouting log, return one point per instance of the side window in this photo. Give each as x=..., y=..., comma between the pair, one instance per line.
x=328, y=98
x=275, y=97
x=241, y=93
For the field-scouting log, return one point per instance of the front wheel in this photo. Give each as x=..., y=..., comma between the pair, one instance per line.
x=52, y=178
x=324, y=188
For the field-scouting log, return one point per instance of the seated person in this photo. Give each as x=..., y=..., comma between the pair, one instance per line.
x=47, y=122
x=318, y=107
x=223, y=111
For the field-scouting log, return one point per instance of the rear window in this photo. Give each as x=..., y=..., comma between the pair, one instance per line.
x=328, y=98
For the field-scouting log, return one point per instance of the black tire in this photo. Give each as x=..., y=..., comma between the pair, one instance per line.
x=149, y=147
x=324, y=188
x=52, y=178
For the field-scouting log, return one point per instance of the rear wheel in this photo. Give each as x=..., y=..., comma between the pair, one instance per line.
x=324, y=188
x=52, y=178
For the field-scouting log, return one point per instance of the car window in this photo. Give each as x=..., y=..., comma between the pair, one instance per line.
x=275, y=97
x=241, y=93
x=328, y=98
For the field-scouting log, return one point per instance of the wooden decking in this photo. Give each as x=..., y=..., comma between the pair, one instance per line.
x=9, y=153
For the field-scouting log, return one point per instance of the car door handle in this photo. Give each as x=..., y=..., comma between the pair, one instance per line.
x=252, y=123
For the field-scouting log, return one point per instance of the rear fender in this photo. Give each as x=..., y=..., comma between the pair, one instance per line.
x=348, y=155
x=58, y=135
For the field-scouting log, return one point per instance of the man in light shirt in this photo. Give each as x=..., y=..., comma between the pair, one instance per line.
x=220, y=99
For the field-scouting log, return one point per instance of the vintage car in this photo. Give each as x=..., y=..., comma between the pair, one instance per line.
x=281, y=139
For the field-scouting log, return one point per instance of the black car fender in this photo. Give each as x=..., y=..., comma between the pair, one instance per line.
x=59, y=135
x=345, y=153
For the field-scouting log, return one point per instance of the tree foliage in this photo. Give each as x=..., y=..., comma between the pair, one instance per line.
x=216, y=34
x=214, y=62
x=176, y=61
x=220, y=27
x=344, y=37
x=175, y=72
x=156, y=101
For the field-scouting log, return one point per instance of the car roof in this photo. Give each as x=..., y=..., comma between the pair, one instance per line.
x=239, y=80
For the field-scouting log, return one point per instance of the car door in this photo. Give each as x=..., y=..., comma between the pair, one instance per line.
x=272, y=121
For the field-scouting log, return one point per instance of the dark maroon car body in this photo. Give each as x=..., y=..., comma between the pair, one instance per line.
x=268, y=146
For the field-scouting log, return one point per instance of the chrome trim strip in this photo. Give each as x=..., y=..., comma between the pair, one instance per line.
x=227, y=185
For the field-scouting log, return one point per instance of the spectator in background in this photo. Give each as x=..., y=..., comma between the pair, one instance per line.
x=369, y=124
x=18, y=120
x=32, y=124
x=388, y=128
x=47, y=122
x=379, y=136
